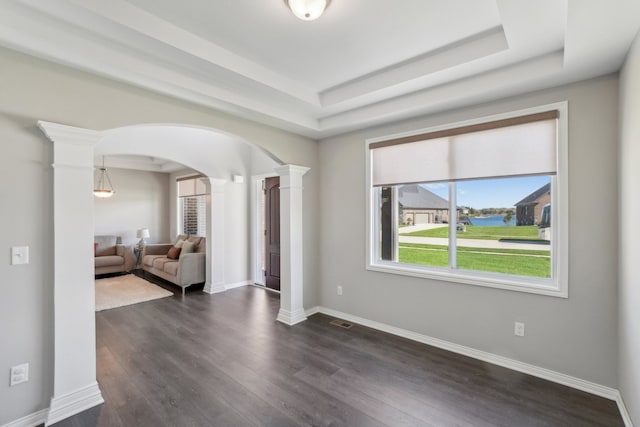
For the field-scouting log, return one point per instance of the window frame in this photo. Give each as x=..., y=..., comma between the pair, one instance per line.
x=556, y=286
x=201, y=193
x=201, y=214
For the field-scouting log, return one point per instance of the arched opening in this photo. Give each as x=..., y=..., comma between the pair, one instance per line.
x=219, y=157
x=75, y=387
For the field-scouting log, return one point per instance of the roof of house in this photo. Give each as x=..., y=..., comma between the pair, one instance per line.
x=533, y=197
x=417, y=197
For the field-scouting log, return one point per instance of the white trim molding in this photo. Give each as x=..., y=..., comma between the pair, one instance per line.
x=291, y=244
x=626, y=417
x=556, y=286
x=257, y=233
x=291, y=317
x=73, y=403
x=70, y=134
x=526, y=368
x=313, y=310
x=214, y=282
x=229, y=286
x=74, y=378
x=213, y=288
x=30, y=420
x=223, y=287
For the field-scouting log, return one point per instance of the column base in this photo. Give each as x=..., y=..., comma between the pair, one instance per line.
x=216, y=288
x=291, y=317
x=73, y=403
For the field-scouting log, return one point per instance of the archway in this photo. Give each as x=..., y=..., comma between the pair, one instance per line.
x=218, y=157
x=75, y=386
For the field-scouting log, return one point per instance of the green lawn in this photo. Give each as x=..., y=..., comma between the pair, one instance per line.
x=506, y=261
x=469, y=249
x=526, y=232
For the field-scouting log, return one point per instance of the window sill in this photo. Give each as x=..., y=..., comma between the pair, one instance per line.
x=546, y=287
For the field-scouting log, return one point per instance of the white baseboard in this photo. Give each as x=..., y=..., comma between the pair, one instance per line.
x=76, y=402
x=73, y=403
x=291, y=317
x=264, y=287
x=311, y=311
x=213, y=288
x=221, y=287
x=536, y=371
x=626, y=417
x=31, y=420
x=237, y=284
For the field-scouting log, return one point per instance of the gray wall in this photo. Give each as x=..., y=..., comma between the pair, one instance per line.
x=33, y=90
x=576, y=336
x=26, y=309
x=629, y=280
x=141, y=200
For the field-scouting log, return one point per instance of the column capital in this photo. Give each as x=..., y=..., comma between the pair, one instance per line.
x=64, y=134
x=289, y=170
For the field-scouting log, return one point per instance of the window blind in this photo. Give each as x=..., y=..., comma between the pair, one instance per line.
x=525, y=145
x=191, y=187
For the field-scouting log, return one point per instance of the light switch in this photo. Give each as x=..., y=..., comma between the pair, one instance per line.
x=19, y=255
x=19, y=374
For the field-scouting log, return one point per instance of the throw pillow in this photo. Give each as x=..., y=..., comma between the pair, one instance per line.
x=174, y=253
x=188, y=247
x=179, y=243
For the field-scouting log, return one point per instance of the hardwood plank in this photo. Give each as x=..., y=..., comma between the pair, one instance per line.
x=223, y=360
x=330, y=384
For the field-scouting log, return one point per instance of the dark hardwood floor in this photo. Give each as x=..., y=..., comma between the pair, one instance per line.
x=223, y=360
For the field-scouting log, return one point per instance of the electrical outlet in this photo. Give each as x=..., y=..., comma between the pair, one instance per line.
x=519, y=329
x=19, y=374
x=339, y=290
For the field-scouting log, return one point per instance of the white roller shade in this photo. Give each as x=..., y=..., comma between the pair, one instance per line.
x=422, y=161
x=480, y=151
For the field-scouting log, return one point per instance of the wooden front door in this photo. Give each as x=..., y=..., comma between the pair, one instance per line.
x=272, y=232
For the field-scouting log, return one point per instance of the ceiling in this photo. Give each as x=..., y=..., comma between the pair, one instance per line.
x=363, y=63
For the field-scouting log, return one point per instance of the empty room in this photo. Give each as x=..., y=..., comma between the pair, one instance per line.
x=320, y=212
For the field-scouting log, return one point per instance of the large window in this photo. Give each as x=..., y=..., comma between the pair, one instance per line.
x=192, y=206
x=479, y=203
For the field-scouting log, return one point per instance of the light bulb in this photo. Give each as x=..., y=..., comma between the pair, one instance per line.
x=307, y=10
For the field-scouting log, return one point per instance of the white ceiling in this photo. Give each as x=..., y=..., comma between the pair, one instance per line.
x=364, y=62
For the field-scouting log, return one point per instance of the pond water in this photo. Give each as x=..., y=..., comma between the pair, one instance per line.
x=492, y=221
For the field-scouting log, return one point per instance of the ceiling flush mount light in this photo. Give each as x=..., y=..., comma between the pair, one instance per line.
x=104, y=188
x=307, y=10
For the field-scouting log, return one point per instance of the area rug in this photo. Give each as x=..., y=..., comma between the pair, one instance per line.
x=124, y=290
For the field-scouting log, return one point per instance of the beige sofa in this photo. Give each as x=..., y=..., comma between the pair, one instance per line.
x=188, y=269
x=111, y=256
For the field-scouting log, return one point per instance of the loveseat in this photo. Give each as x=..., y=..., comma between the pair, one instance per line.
x=111, y=256
x=188, y=267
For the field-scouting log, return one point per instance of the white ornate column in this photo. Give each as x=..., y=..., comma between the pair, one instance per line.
x=215, y=237
x=291, y=242
x=75, y=388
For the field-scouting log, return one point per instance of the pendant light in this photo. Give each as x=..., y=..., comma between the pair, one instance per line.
x=104, y=189
x=307, y=10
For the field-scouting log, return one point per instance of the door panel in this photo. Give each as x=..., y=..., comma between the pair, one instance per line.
x=272, y=232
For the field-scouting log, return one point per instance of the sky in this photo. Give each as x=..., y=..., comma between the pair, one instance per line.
x=491, y=193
